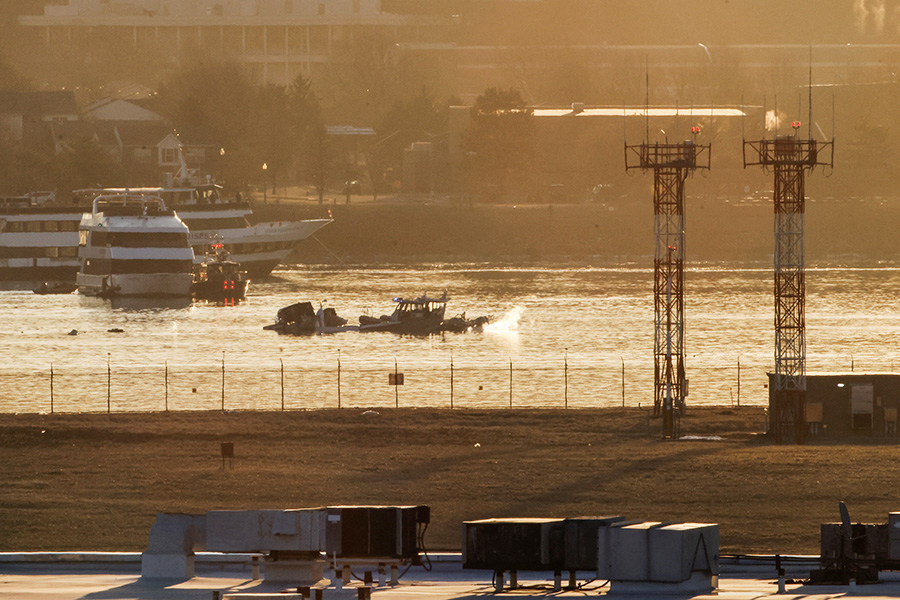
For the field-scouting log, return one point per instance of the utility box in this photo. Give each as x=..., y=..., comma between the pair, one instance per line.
x=581, y=535
x=525, y=544
x=894, y=536
x=623, y=551
x=678, y=551
x=300, y=530
x=365, y=532
x=656, y=558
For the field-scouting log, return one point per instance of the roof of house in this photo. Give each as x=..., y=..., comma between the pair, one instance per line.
x=61, y=102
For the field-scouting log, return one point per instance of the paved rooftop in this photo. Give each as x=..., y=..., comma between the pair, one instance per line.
x=77, y=577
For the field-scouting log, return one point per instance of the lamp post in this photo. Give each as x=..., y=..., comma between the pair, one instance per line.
x=265, y=168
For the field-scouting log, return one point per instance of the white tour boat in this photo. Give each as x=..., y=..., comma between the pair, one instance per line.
x=132, y=245
x=39, y=233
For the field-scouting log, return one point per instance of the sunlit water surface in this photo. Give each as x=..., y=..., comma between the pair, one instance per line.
x=566, y=336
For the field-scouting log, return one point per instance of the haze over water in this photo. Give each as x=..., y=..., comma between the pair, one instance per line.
x=575, y=325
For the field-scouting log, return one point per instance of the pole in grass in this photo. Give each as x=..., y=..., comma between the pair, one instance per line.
x=282, y=382
x=566, y=377
x=223, y=381
x=108, y=384
x=623, y=382
x=396, y=385
x=166, y=364
x=339, y=377
x=510, y=383
x=51, y=388
x=451, y=378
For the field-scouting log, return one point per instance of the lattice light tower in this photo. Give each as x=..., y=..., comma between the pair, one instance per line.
x=789, y=157
x=671, y=164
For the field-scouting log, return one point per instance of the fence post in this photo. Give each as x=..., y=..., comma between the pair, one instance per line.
x=282, y=383
x=451, y=379
x=510, y=382
x=108, y=384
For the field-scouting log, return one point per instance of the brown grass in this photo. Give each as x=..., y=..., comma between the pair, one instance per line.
x=95, y=482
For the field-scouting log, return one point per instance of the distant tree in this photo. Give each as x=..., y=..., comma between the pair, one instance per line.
x=218, y=104
x=320, y=160
x=213, y=103
x=11, y=78
x=423, y=118
x=85, y=164
x=361, y=78
x=499, y=143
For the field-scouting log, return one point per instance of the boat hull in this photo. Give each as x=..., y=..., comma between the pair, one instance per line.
x=143, y=284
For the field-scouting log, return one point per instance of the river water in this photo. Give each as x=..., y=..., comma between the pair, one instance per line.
x=576, y=336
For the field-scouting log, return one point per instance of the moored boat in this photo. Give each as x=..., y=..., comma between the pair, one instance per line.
x=218, y=278
x=39, y=232
x=133, y=245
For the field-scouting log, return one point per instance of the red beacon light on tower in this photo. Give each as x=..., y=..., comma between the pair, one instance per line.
x=795, y=125
x=695, y=129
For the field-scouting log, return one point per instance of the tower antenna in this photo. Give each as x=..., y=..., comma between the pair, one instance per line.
x=809, y=114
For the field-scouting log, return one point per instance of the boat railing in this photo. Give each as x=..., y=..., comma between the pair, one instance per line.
x=129, y=203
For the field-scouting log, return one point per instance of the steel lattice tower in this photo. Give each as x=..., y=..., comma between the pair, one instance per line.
x=671, y=164
x=789, y=157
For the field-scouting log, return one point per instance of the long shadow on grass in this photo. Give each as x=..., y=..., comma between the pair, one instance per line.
x=603, y=479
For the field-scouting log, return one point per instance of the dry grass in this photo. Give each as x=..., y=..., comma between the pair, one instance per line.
x=95, y=482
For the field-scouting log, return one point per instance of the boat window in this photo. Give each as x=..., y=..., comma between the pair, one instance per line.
x=51, y=252
x=99, y=266
x=68, y=225
x=33, y=226
x=147, y=240
x=68, y=251
x=223, y=223
x=99, y=238
x=51, y=226
x=13, y=226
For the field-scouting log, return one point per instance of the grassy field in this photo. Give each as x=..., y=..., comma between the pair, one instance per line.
x=95, y=482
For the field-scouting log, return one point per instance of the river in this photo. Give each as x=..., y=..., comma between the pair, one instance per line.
x=574, y=336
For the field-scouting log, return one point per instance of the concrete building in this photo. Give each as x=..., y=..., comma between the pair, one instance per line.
x=276, y=39
x=844, y=403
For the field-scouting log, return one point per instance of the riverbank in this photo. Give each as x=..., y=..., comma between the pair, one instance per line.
x=617, y=231
x=96, y=481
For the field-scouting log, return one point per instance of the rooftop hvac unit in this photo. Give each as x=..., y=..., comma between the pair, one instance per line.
x=653, y=557
x=292, y=540
x=300, y=530
x=581, y=534
x=369, y=532
x=514, y=544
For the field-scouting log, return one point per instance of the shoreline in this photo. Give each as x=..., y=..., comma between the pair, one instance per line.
x=96, y=481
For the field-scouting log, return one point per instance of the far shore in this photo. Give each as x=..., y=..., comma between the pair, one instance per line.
x=96, y=481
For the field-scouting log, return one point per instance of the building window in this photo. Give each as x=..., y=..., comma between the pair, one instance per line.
x=169, y=156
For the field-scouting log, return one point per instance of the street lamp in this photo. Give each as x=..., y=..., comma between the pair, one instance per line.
x=265, y=168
